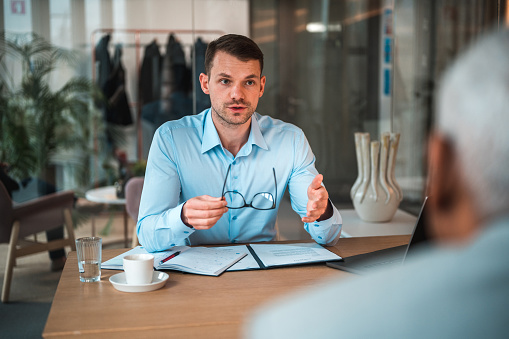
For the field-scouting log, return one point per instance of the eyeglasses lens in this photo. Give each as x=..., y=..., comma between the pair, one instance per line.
x=263, y=201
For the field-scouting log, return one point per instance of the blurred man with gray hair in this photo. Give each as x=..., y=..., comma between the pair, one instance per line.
x=460, y=288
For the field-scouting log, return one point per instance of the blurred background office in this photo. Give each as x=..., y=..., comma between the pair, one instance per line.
x=333, y=67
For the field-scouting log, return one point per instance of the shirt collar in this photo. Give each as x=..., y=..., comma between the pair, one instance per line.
x=256, y=136
x=211, y=138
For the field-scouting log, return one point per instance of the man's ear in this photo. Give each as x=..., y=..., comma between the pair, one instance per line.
x=442, y=172
x=452, y=211
x=262, y=85
x=204, y=83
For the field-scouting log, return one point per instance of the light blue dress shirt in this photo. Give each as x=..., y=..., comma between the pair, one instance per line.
x=186, y=160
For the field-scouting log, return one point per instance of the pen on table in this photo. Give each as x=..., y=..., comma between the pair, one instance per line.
x=168, y=258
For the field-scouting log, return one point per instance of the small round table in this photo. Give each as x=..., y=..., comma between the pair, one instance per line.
x=108, y=195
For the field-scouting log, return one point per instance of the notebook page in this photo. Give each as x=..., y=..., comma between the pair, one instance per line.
x=203, y=260
x=288, y=254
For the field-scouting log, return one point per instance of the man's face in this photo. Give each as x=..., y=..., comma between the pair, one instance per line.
x=234, y=87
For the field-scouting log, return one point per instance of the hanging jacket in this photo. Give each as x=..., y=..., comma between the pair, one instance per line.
x=150, y=74
x=103, y=61
x=176, y=81
x=117, y=110
x=202, y=99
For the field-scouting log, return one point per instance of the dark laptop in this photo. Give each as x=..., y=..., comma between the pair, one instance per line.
x=364, y=263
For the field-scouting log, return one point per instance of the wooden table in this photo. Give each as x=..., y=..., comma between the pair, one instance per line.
x=188, y=306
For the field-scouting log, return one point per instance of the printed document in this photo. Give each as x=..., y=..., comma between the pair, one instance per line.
x=197, y=260
x=271, y=255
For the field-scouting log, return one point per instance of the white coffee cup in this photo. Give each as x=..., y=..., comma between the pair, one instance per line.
x=139, y=269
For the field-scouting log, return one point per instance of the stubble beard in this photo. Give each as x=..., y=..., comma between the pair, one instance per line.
x=225, y=120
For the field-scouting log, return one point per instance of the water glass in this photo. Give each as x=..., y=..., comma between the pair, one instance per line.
x=89, y=251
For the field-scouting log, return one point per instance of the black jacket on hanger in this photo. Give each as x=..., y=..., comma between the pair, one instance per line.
x=175, y=83
x=150, y=74
x=174, y=74
x=202, y=99
x=102, y=58
x=117, y=110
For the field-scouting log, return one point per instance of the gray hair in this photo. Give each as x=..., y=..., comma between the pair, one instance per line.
x=473, y=112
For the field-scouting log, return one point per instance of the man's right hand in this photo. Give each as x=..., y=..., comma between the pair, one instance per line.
x=203, y=212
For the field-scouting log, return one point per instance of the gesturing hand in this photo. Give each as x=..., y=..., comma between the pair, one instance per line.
x=203, y=212
x=318, y=201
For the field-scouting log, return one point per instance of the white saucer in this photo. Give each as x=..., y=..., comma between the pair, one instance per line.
x=158, y=281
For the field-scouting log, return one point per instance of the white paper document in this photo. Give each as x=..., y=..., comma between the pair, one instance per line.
x=204, y=260
x=197, y=260
x=292, y=254
x=271, y=255
x=246, y=263
x=215, y=260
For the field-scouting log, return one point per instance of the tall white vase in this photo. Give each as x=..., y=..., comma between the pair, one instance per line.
x=364, y=168
x=376, y=194
x=394, y=138
x=358, y=153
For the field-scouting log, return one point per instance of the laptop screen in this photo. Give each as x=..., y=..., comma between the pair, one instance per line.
x=420, y=233
x=364, y=263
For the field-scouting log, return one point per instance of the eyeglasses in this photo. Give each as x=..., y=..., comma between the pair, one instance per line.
x=261, y=201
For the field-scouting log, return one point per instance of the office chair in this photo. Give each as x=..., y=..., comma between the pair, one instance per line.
x=133, y=189
x=20, y=221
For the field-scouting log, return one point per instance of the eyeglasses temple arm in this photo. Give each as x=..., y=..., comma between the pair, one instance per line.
x=275, y=184
x=226, y=178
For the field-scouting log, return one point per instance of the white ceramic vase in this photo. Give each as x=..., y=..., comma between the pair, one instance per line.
x=376, y=194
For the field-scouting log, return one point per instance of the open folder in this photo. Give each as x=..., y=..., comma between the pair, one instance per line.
x=197, y=260
x=260, y=256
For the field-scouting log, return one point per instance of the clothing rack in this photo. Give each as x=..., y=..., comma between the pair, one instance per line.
x=137, y=45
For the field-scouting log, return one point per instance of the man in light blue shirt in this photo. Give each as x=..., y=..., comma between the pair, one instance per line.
x=219, y=176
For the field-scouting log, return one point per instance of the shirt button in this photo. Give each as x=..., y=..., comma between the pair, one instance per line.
x=235, y=177
x=234, y=217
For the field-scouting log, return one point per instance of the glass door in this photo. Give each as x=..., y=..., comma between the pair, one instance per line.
x=337, y=67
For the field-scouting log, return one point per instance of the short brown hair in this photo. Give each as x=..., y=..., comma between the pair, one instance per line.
x=239, y=46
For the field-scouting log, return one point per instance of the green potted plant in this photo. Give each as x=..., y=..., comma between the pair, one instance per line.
x=38, y=121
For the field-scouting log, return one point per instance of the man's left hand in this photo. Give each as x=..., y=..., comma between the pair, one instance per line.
x=318, y=207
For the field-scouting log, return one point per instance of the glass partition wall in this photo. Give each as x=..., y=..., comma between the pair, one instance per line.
x=338, y=67
x=333, y=67
x=134, y=34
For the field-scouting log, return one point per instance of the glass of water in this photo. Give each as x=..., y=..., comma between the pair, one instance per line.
x=89, y=251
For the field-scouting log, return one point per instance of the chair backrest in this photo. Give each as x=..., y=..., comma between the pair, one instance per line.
x=133, y=189
x=6, y=215
x=43, y=213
